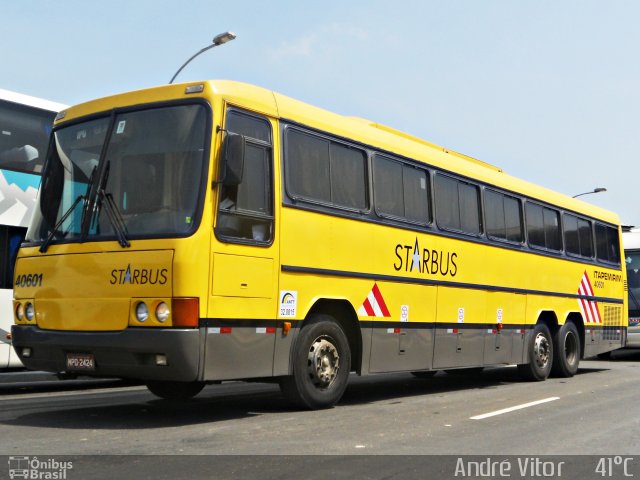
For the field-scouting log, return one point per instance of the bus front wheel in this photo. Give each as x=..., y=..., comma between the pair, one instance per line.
x=321, y=365
x=540, y=350
x=175, y=390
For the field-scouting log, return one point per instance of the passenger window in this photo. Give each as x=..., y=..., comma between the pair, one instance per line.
x=245, y=211
x=607, y=244
x=457, y=205
x=503, y=216
x=325, y=171
x=400, y=190
x=578, y=237
x=543, y=227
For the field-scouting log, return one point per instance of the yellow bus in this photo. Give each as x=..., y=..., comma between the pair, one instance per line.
x=202, y=232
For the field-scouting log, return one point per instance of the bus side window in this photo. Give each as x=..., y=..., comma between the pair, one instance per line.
x=607, y=244
x=245, y=211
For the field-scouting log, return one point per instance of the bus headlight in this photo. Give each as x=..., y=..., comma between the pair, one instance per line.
x=142, y=312
x=19, y=312
x=162, y=312
x=30, y=312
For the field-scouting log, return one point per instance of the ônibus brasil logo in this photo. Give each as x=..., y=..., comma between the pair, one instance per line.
x=35, y=468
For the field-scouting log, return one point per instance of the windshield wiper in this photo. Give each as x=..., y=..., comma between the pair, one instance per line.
x=85, y=197
x=115, y=217
x=52, y=233
x=113, y=212
x=634, y=298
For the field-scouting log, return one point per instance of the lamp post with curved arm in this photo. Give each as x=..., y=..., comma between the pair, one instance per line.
x=595, y=190
x=217, y=40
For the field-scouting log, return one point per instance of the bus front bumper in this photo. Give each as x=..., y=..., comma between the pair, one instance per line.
x=141, y=354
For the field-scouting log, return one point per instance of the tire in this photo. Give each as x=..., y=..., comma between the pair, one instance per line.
x=566, y=347
x=175, y=390
x=321, y=363
x=540, y=350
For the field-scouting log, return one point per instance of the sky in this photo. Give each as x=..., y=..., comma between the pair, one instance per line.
x=548, y=90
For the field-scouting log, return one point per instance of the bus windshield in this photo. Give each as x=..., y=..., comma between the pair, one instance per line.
x=632, y=259
x=132, y=174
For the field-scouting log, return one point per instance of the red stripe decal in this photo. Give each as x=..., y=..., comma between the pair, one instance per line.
x=368, y=308
x=380, y=300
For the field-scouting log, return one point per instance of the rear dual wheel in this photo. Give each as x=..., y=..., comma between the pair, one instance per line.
x=540, y=350
x=566, y=345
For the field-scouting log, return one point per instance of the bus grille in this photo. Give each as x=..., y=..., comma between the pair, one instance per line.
x=612, y=319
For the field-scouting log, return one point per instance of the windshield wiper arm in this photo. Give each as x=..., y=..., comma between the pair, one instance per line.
x=634, y=298
x=85, y=197
x=115, y=217
x=52, y=233
x=113, y=212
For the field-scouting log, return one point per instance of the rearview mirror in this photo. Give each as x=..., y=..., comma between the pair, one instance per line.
x=232, y=159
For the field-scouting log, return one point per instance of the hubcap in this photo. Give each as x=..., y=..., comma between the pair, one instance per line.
x=541, y=350
x=323, y=362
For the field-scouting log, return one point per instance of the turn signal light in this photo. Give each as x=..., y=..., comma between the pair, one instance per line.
x=186, y=312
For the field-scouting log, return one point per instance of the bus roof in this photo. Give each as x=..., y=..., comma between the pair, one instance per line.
x=352, y=128
x=30, y=101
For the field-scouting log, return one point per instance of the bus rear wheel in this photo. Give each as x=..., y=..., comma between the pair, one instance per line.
x=321, y=364
x=175, y=390
x=566, y=345
x=540, y=350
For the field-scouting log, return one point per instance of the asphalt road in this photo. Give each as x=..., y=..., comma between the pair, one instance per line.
x=492, y=414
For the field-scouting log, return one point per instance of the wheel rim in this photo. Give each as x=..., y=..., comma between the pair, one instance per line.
x=541, y=350
x=323, y=362
x=570, y=348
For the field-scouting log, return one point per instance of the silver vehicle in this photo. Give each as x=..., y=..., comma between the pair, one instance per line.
x=631, y=242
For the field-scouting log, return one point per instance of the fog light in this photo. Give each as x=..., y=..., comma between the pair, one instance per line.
x=162, y=312
x=19, y=312
x=161, y=360
x=26, y=352
x=142, y=312
x=30, y=312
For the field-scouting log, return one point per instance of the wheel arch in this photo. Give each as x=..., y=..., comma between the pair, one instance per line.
x=343, y=313
x=550, y=319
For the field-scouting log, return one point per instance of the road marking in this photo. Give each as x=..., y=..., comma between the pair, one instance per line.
x=511, y=409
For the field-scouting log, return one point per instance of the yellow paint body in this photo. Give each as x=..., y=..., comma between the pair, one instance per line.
x=85, y=288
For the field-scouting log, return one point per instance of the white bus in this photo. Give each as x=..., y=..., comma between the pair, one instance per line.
x=631, y=242
x=25, y=125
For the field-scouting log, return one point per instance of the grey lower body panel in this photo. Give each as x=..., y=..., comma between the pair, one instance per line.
x=129, y=353
x=241, y=353
x=602, y=339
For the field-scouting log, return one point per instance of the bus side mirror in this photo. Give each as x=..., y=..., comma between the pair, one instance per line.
x=232, y=159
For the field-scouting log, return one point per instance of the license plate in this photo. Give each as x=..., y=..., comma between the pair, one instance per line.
x=80, y=361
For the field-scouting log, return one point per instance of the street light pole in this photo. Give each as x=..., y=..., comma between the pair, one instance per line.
x=217, y=40
x=595, y=190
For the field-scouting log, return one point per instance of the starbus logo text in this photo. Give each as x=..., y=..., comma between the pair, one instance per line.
x=139, y=276
x=412, y=258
